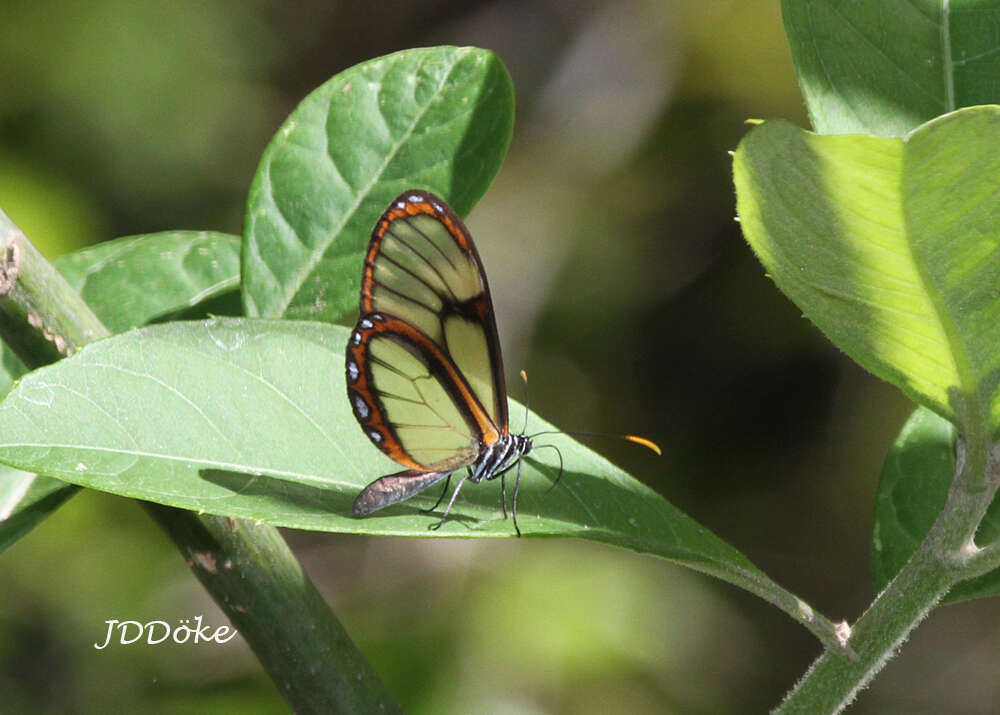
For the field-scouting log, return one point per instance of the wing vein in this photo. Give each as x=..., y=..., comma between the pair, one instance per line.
x=426, y=260
x=404, y=296
x=434, y=245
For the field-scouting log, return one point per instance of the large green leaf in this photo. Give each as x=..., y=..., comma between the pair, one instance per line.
x=252, y=421
x=127, y=281
x=890, y=246
x=886, y=66
x=137, y=279
x=438, y=118
x=911, y=493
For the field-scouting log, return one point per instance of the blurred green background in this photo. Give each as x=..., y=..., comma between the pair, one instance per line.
x=623, y=287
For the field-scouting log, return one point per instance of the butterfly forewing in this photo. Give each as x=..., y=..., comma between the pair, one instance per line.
x=422, y=268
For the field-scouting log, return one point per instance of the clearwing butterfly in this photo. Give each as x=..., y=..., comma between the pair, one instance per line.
x=424, y=371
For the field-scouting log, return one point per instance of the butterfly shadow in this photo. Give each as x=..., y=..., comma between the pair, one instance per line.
x=305, y=498
x=271, y=490
x=579, y=502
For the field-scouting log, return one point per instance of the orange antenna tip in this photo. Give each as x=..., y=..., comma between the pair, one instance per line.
x=644, y=442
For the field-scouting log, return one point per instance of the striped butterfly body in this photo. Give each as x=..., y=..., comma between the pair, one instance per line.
x=424, y=370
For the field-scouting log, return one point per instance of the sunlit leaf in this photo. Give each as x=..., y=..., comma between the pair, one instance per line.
x=890, y=246
x=437, y=118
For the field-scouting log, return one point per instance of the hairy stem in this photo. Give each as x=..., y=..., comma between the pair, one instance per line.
x=944, y=558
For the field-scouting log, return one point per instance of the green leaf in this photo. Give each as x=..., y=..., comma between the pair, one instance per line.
x=127, y=281
x=891, y=247
x=138, y=279
x=25, y=500
x=252, y=420
x=916, y=476
x=438, y=118
x=886, y=66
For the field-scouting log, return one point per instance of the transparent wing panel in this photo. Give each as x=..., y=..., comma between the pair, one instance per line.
x=466, y=340
x=418, y=408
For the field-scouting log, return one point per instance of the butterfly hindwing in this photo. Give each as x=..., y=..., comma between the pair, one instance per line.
x=411, y=400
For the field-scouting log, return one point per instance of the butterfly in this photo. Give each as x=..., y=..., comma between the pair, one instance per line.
x=424, y=371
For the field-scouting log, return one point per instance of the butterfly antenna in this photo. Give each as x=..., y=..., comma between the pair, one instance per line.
x=647, y=443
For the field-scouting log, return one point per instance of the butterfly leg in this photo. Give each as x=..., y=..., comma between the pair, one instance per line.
x=503, y=494
x=443, y=492
x=435, y=527
x=517, y=485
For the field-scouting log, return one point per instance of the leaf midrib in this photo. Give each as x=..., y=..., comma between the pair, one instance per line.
x=947, y=64
x=292, y=287
x=964, y=372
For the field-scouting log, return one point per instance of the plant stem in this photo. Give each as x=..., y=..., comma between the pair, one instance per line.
x=829, y=633
x=246, y=567
x=833, y=681
x=254, y=577
x=943, y=559
x=42, y=318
